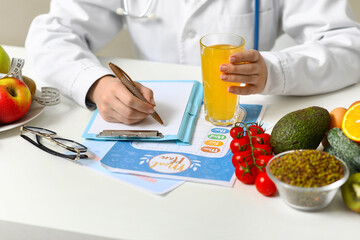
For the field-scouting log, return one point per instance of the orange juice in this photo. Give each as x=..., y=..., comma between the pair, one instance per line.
x=220, y=105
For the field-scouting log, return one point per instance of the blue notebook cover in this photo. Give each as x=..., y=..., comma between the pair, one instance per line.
x=207, y=159
x=178, y=104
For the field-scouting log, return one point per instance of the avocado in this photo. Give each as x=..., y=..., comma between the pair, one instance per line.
x=350, y=192
x=301, y=129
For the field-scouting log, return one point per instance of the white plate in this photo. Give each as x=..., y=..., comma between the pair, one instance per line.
x=35, y=110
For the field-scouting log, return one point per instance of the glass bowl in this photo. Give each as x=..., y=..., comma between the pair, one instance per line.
x=307, y=198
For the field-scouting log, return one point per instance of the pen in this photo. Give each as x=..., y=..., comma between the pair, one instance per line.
x=130, y=85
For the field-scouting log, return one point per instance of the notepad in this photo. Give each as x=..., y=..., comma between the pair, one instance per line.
x=177, y=102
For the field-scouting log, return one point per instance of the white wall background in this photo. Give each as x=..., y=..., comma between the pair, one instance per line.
x=16, y=16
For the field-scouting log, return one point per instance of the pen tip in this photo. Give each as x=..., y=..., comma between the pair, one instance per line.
x=156, y=116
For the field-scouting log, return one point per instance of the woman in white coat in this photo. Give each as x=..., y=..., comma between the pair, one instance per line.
x=326, y=59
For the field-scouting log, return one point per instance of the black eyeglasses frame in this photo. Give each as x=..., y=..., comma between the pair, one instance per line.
x=51, y=136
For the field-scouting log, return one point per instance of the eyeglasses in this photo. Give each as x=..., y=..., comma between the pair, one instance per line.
x=61, y=147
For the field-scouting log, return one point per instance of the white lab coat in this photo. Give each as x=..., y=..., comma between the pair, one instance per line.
x=59, y=43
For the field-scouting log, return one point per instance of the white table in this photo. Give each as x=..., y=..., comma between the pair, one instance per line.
x=42, y=195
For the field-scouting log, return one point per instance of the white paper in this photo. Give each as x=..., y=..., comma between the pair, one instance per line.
x=171, y=100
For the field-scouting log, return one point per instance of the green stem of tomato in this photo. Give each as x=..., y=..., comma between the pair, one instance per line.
x=252, y=147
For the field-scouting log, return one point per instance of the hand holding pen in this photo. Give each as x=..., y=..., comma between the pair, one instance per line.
x=130, y=85
x=116, y=103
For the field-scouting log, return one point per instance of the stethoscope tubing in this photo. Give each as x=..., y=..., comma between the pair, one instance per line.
x=256, y=25
x=142, y=15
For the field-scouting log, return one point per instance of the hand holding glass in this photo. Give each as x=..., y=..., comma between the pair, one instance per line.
x=221, y=107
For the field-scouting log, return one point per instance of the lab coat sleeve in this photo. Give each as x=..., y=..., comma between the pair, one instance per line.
x=60, y=44
x=328, y=55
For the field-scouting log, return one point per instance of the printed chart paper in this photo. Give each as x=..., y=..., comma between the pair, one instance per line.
x=96, y=151
x=207, y=159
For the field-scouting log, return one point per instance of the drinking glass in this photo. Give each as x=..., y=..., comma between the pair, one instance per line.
x=221, y=107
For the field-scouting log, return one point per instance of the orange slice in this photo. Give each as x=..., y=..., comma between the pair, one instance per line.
x=351, y=122
x=354, y=103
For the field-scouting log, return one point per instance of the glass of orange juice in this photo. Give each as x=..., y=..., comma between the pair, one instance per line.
x=221, y=107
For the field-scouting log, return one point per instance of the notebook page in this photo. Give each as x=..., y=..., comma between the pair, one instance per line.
x=171, y=99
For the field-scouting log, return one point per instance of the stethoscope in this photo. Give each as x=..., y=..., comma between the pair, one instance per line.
x=125, y=11
x=146, y=14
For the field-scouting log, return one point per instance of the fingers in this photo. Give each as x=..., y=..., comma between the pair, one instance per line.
x=245, y=56
x=129, y=100
x=114, y=109
x=243, y=90
x=117, y=104
x=146, y=92
x=119, y=115
x=246, y=79
x=247, y=68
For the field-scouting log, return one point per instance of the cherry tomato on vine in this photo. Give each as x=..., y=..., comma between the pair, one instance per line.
x=239, y=144
x=263, y=138
x=264, y=159
x=262, y=149
x=246, y=173
x=236, y=132
x=255, y=130
x=264, y=184
x=260, y=166
x=239, y=157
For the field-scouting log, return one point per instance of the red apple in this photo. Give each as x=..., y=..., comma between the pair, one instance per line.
x=15, y=99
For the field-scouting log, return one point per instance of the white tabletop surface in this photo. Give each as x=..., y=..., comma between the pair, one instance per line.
x=46, y=197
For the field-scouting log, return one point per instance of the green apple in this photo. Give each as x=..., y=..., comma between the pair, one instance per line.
x=15, y=99
x=4, y=61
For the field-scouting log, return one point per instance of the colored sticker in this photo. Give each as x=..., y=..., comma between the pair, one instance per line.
x=220, y=130
x=217, y=136
x=214, y=143
x=210, y=149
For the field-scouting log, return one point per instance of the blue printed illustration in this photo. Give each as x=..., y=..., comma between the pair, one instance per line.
x=208, y=159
